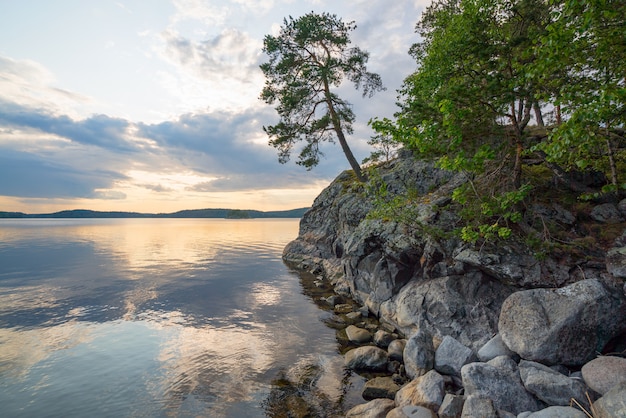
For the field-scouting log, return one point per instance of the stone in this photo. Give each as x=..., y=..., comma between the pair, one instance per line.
x=550, y=386
x=419, y=354
x=500, y=380
x=451, y=407
x=606, y=213
x=558, y=412
x=383, y=338
x=612, y=404
x=465, y=307
x=478, y=405
x=343, y=308
x=562, y=326
x=495, y=347
x=604, y=372
x=451, y=355
x=426, y=391
x=396, y=349
x=616, y=258
x=358, y=335
x=507, y=265
x=411, y=411
x=378, y=408
x=366, y=358
x=380, y=387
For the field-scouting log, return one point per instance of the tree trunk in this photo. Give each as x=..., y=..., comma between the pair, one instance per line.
x=356, y=167
x=538, y=115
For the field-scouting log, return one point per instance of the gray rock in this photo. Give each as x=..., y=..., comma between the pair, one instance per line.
x=612, y=404
x=607, y=213
x=426, y=391
x=621, y=206
x=380, y=387
x=411, y=411
x=451, y=355
x=478, y=405
x=465, y=307
x=508, y=265
x=550, y=386
x=451, y=407
x=396, y=349
x=499, y=379
x=383, y=338
x=495, y=347
x=562, y=326
x=378, y=408
x=419, y=354
x=616, y=258
x=366, y=358
x=558, y=412
x=358, y=335
x=604, y=372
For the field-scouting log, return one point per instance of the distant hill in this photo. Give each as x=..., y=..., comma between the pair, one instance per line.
x=193, y=213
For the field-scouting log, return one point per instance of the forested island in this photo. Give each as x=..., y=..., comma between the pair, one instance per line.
x=191, y=213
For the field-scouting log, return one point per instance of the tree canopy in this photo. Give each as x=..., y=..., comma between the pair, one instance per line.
x=488, y=69
x=308, y=60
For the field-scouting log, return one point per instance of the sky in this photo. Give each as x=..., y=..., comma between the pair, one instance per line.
x=153, y=105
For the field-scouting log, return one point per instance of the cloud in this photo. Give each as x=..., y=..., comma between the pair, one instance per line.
x=30, y=175
x=232, y=54
x=98, y=130
x=28, y=83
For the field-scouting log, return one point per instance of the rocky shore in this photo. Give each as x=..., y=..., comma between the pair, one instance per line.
x=444, y=329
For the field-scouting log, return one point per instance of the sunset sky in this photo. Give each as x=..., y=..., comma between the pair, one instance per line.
x=153, y=105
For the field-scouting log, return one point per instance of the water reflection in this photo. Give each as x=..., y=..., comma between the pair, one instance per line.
x=154, y=318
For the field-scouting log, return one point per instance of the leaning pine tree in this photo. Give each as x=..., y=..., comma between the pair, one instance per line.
x=308, y=59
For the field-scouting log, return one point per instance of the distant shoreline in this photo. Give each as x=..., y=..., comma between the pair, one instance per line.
x=193, y=213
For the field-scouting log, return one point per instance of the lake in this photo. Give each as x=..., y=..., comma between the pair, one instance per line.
x=161, y=318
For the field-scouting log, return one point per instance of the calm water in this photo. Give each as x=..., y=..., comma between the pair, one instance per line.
x=156, y=317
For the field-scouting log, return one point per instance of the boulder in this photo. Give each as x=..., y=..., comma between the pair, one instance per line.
x=419, y=354
x=411, y=411
x=605, y=372
x=606, y=213
x=396, y=349
x=366, y=358
x=495, y=347
x=612, y=404
x=451, y=407
x=562, y=326
x=383, y=338
x=499, y=379
x=451, y=355
x=380, y=387
x=358, y=335
x=378, y=408
x=550, y=386
x=558, y=412
x=426, y=391
x=478, y=405
x=465, y=307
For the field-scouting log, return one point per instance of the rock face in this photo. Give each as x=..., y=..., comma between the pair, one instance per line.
x=561, y=326
x=438, y=291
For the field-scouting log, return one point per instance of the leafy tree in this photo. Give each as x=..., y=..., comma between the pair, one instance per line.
x=583, y=56
x=308, y=59
x=471, y=99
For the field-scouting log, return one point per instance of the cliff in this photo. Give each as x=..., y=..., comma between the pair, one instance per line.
x=415, y=279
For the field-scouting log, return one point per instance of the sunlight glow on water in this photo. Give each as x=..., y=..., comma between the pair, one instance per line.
x=153, y=317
